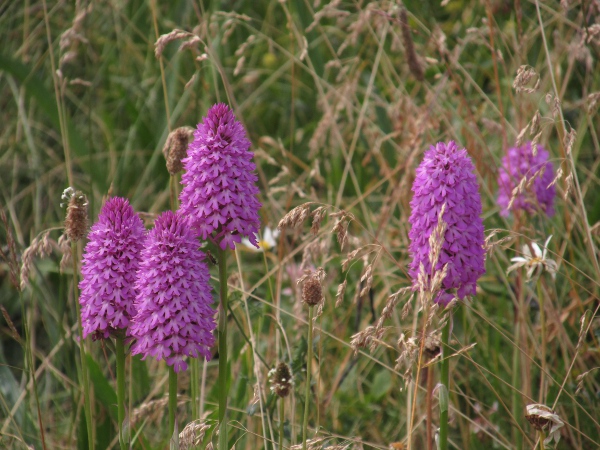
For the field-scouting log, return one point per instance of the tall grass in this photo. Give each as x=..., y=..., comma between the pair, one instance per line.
x=340, y=100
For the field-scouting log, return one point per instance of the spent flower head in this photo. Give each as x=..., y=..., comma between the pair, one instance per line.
x=76, y=221
x=219, y=193
x=446, y=185
x=546, y=420
x=525, y=180
x=174, y=317
x=109, y=266
x=281, y=379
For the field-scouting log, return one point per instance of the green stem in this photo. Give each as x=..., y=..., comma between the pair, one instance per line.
x=120, y=350
x=84, y=366
x=172, y=401
x=195, y=385
x=281, y=419
x=516, y=377
x=445, y=381
x=542, y=437
x=31, y=366
x=542, y=393
x=308, y=363
x=222, y=334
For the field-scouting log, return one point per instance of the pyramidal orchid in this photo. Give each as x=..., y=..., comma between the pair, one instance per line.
x=219, y=193
x=108, y=290
x=446, y=178
x=446, y=186
x=109, y=266
x=219, y=196
x=174, y=318
x=532, y=174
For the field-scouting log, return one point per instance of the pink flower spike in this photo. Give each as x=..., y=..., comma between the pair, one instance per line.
x=109, y=266
x=219, y=180
x=174, y=318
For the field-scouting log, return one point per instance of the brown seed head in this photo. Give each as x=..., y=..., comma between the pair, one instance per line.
x=281, y=380
x=175, y=148
x=312, y=292
x=76, y=222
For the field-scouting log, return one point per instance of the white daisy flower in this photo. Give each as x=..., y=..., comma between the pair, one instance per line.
x=268, y=241
x=539, y=258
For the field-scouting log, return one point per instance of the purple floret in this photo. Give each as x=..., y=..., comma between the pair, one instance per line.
x=219, y=193
x=109, y=266
x=446, y=176
x=519, y=163
x=174, y=316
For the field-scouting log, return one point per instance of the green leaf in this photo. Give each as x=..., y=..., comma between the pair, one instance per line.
x=103, y=391
x=382, y=383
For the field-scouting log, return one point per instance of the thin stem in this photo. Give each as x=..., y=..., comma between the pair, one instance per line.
x=29, y=363
x=542, y=393
x=542, y=437
x=84, y=367
x=281, y=419
x=172, y=403
x=120, y=350
x=195, y=385
x=445, y=381
x=222, y=334
x=308, y=364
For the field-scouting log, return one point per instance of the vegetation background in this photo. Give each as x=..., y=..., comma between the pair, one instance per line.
x=340, y=100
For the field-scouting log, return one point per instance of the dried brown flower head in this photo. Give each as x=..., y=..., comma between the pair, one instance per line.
x=542, y=418
x=76, y=222
x=281, y=380
x=312, y=291
x=175, y=148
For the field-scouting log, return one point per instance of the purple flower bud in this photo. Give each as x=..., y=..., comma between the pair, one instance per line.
x=174, y=316
x=519, y=163
x=109, y=267
x=446, y=177
x=219, y=193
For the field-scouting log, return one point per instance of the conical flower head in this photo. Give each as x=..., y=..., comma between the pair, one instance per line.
x=520, y=165
x=446, y=179
x=109, y=267
x=219, y=193
x=174, y=317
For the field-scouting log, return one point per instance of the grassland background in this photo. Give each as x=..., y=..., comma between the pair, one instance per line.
x=336, y=116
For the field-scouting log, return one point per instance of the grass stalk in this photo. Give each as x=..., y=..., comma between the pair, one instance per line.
x=542, y=393
x=172, y=404
x=84, y=367
x=120, y=350
x=515, y=383
x=31, y=366
x=222, y=334
x=445, y=381
x=308, y=364
x=281, y=419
